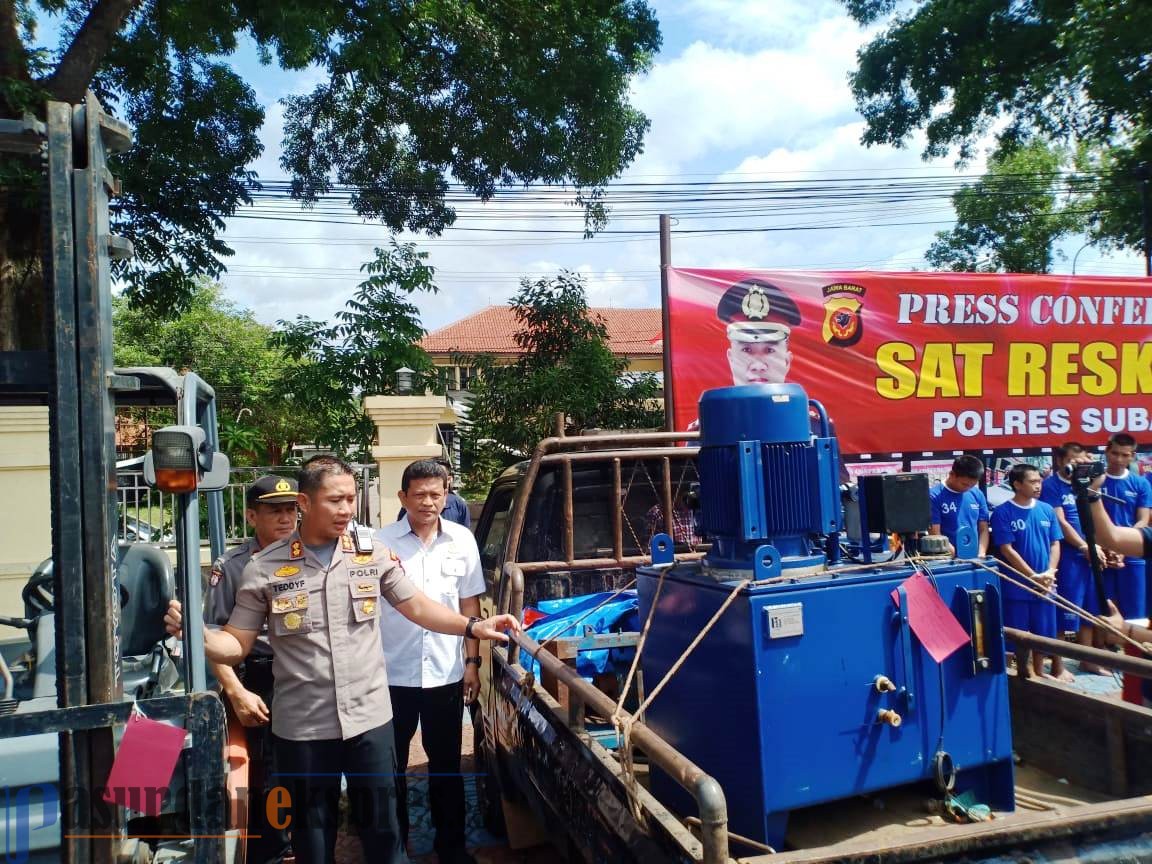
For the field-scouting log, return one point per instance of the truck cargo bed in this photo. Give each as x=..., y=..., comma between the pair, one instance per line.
x=1083, y=777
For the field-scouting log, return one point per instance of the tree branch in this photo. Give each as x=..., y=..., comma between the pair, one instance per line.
x=93, y=41
x=13, y=58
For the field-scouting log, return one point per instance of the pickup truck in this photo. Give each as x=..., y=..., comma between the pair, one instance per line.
x=575, y=520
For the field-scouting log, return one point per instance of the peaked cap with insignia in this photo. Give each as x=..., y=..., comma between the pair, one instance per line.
x=757, y=311
x=271, y=489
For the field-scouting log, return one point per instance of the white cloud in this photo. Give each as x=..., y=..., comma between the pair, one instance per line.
x=711, y=101
x=749, y=89
x=752, y=23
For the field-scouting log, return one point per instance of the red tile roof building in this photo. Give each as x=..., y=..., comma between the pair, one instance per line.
x=632, y=333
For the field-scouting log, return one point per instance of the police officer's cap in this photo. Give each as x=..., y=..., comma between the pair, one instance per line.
x=757, y=311
x=271, y=489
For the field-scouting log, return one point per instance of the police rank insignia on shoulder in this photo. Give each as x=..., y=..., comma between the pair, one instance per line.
x=296, y=550
x=346, y=543
x=215, y=577
x=396, y=560
x=286, y=571
x=361, y=559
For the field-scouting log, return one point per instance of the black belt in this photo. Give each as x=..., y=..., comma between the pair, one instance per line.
x=261, y=660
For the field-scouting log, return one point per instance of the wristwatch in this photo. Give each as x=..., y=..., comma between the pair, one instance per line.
x=472, y=622
x=475, y=661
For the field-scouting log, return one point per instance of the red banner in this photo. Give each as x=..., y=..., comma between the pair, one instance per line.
x=924, y=361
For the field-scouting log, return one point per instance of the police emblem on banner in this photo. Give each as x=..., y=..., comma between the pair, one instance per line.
x=843, y=321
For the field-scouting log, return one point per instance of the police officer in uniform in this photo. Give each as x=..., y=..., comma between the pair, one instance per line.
x=759, y=318
x=270, y=510
x=319, y=592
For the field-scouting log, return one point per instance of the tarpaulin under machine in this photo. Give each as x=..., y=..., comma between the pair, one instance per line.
x=812, y=686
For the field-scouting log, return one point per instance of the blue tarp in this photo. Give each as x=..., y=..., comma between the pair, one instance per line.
x=563, y=618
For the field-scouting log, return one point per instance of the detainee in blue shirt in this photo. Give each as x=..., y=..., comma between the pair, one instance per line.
x=1026, y=536
x=1074, y=580
x=958, y=502
x=1126, y=580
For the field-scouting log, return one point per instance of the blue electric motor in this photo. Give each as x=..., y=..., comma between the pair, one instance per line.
x=816, y=685
x=767, y=484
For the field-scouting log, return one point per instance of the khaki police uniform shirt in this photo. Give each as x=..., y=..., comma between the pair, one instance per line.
x=222, y=585
x=323, y=624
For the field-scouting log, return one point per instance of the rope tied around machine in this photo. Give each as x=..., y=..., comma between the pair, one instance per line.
x=624, y=723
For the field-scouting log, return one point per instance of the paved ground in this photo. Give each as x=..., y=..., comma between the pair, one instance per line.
x=486, y=848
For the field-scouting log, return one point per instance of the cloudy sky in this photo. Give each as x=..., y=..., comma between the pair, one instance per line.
x=743, y=91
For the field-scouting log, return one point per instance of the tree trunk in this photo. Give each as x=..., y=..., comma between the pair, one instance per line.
x=23, y=311
x=13, y=60
x=87, y=51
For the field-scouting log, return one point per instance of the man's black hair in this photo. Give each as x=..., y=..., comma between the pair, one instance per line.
x=423, y=469
x=1122, y=439
x=315, y=470
x=1068, y=448
x=968, y=466
x=1018, y=472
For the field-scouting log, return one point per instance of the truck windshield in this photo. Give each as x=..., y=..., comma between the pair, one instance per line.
x=490, y=537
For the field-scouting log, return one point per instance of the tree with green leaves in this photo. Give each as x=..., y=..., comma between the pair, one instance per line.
x=565, y=367
x=413, y=94
x=338, y=364
x=1064, y=72
x=1011, y=219
x=227, y=347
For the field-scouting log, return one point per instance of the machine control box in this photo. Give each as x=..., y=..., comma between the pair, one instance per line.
x=897, y=503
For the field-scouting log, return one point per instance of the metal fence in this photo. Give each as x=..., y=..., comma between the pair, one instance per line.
x=146, y=515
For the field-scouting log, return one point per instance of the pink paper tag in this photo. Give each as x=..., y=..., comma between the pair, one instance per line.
x=144, y=764
x=930, y=619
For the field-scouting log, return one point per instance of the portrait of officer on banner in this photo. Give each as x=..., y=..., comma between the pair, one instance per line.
x=759, y=318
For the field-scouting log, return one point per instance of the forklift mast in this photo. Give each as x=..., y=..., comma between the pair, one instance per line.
x=75, y=379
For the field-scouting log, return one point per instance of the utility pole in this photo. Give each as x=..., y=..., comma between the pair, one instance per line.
x=665, y=318
x=1144, y=174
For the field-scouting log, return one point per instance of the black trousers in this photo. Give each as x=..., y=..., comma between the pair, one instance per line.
x=267, y=845
x=311, y=772
x=439, y=711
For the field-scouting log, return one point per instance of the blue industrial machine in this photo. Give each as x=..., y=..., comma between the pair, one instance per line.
x=812, y=686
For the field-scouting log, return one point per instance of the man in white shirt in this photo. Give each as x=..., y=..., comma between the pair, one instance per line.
x=432, y=676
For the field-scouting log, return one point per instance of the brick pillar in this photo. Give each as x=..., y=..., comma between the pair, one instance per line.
x=405, y=431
